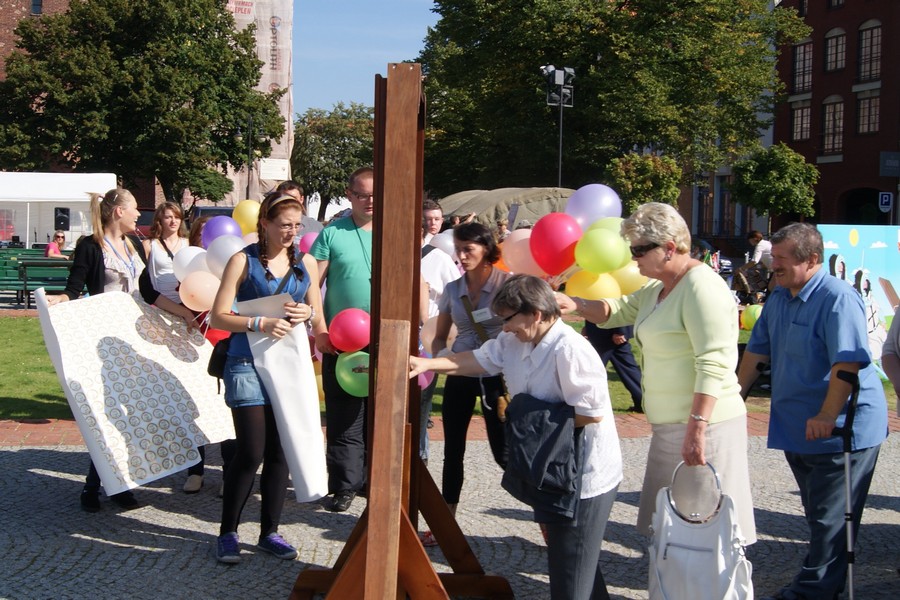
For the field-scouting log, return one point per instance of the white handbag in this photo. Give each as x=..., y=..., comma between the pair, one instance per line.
x=697, y=558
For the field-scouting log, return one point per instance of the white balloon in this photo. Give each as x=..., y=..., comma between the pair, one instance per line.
x=183, y=258
x=444, y=241
x=220, y=250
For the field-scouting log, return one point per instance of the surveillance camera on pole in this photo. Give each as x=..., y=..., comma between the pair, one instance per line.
x=561, y=93
x=559, y=85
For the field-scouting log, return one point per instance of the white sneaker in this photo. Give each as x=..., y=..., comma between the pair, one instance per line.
x=193, y=484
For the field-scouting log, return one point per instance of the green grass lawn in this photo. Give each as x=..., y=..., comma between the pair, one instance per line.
x=29, y=388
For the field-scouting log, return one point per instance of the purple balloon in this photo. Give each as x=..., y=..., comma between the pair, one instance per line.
x=592, y=202
x=217, y=227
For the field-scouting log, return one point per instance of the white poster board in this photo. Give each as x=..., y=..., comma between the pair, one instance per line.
x=136, y=381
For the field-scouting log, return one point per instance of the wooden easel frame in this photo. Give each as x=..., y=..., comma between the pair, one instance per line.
x=399, y=483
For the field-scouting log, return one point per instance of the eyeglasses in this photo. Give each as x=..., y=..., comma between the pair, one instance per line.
x=639, y=251
x=510, y=317
x=59, y=237
x=294, y=227
x=361, y=195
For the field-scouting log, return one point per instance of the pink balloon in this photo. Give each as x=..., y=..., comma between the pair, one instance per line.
x=217, y=227
x=349, y=330
x=425, y=379
x=591, y=202
x=517, y=253
x=552, y=242
x=198, y=290
x=307, y=240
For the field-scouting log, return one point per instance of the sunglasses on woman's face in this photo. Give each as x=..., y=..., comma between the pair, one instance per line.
x=639, y=251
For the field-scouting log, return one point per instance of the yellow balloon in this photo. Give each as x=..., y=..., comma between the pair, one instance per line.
x=629, y=278
x=592, y=286
x=750, y=315
x=321, y=388
x=854, y=237
x=246, y=213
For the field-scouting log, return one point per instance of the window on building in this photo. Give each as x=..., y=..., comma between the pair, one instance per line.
x=833, y=125
x=801, y=113
x=835, y=3
x=835, y=49
x=868, y=109
x=37, y=7
x=801, y=8
x=870, y=51
x=802, y=79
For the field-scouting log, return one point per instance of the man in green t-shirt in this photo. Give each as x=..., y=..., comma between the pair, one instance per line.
x=344, y=252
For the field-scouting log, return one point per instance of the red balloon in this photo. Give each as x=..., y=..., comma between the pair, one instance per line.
x=553, y=240
x=349, y=330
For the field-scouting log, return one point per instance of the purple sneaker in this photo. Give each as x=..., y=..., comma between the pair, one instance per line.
x=274, y=544
x=227, y=550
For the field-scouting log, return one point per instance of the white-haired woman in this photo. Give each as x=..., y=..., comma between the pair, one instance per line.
x=686, y=324
x=542, y=357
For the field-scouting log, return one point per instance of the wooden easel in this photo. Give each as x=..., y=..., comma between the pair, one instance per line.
x=399, y=483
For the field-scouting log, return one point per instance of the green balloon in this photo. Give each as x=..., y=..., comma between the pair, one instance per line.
x=613, y=224
x=601, y=251
x=352, y=373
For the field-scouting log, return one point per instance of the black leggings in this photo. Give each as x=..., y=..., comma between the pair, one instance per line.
x=456, y=410
x=257, y=442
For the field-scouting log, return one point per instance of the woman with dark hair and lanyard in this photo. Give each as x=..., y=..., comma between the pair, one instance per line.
x=466, y=302
x=267, y=268
x=107, y=261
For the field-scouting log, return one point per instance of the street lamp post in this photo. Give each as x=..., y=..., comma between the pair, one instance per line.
x=239, y=138
x=561, y=93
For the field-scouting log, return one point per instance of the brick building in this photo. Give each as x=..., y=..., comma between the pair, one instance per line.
x=13, y=11
x=843, y=107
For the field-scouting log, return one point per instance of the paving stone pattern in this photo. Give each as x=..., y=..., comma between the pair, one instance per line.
x=51, y=549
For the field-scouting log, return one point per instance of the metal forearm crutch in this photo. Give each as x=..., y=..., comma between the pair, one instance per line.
x=846, y=434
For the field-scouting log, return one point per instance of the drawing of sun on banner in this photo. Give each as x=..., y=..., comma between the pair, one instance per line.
x=137, y=385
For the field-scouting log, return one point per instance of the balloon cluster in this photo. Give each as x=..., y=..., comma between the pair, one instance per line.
x=199, y=269
x=349, y=332
x=581, y=244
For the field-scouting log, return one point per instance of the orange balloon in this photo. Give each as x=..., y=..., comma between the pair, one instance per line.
x=500, y=264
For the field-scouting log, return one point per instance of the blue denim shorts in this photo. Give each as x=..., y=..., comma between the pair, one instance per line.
x=242, y=384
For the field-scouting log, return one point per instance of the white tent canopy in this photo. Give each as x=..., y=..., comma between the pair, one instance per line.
x=28, y=203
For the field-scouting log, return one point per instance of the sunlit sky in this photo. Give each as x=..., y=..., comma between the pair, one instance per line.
x=340, y=45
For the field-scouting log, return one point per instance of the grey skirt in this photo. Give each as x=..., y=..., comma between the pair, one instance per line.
x=694, y=492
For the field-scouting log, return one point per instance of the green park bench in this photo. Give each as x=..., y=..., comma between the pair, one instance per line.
x=48, y=273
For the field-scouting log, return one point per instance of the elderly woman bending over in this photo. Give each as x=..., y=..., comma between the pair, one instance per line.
x=541, y=356
x=686, y=324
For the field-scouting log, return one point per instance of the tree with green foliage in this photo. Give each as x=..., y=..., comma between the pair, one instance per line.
x=690, y=79
x=642, y=178
x=776, y=180
x=328, y=146
x=140, y=88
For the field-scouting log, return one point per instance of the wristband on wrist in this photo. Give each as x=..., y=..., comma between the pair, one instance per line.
x=699, y=418
x=581, y=305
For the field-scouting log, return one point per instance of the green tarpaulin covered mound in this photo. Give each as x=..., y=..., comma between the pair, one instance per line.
x=491, y=205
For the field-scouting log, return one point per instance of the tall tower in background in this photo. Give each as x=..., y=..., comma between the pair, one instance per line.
x=274, y=21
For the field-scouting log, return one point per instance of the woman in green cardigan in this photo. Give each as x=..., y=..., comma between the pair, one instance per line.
x=686, y=325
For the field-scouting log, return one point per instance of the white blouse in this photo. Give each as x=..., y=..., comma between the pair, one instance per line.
x=564, y=367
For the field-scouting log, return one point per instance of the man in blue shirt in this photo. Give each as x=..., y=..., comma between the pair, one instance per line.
x=811, y=327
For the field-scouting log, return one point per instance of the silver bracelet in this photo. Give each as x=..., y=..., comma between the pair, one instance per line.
x=699, y=418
